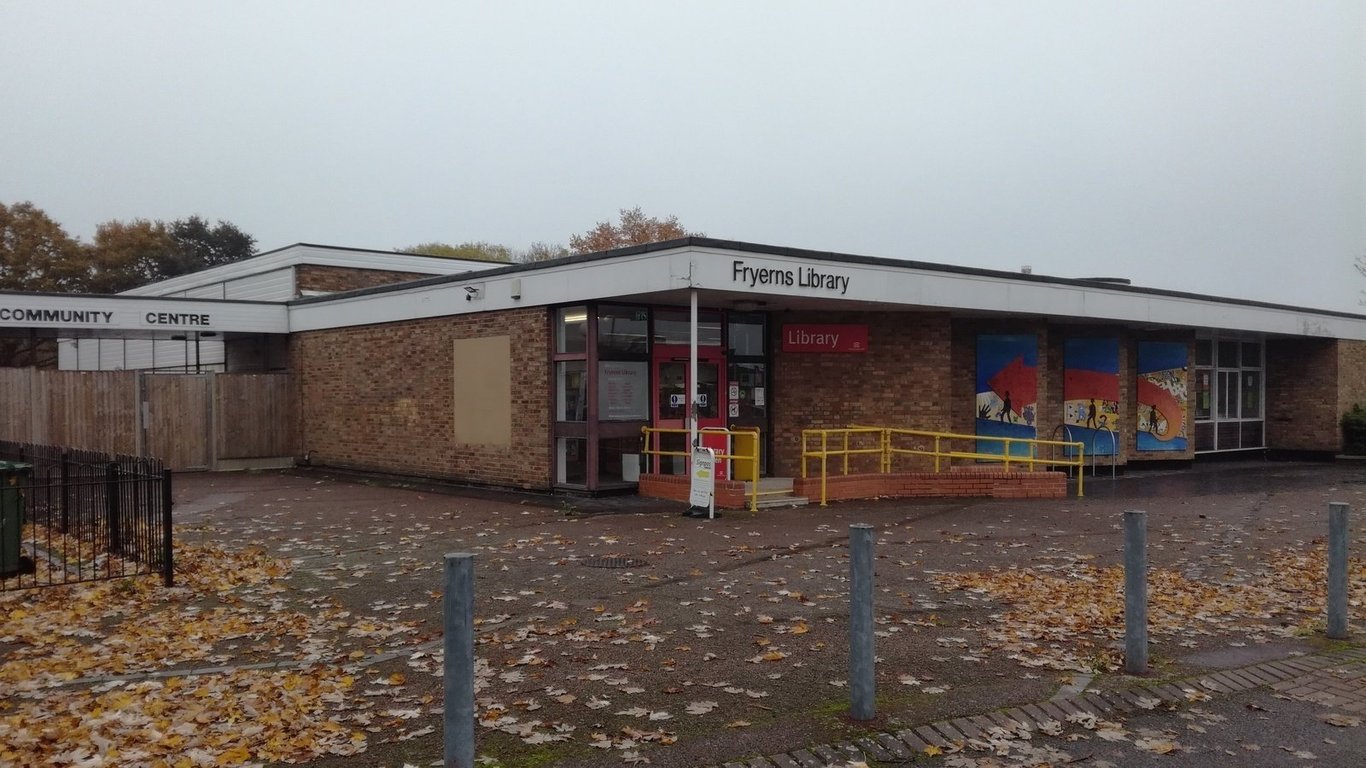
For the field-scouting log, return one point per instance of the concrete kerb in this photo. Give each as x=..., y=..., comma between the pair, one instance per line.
x=952, y=734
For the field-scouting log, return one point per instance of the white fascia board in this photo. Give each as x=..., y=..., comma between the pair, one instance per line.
x=107, y=313
x=295, y=255
x=549, y=285
x=722, y=269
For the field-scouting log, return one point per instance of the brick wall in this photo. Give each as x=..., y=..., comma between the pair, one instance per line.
x=902, y=380
x=1303, y=399
x=380, y=398
x=314, y=277
x=1351, y=375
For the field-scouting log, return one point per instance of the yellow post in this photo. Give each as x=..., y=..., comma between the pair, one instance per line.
x=846, y=450
x=1007, y=452
x=886, y=438
x=1081, y=470
x=824, y=450
x=803, y=454
x=936, y=454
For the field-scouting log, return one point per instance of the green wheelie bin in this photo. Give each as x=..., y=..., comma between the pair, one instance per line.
x=12, y=477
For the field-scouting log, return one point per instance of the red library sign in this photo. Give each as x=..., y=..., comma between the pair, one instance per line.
x=825, y=338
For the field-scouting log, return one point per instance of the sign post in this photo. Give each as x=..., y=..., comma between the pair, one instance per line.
x=702, y=488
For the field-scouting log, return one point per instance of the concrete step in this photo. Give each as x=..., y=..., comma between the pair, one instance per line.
x=787, y=500
x=767, y=484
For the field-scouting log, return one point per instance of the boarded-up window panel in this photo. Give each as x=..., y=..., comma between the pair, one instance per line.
x=483, y=391
x=255, y=416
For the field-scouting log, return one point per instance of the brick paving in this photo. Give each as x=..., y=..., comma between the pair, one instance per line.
x=1334, y=679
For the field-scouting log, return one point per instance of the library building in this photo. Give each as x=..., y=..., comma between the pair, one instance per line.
x=810, y=375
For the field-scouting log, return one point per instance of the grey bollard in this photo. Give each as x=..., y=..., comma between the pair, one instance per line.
x=1337, y=571
x=862, y=686
x=1135, y=592
x=458, y=610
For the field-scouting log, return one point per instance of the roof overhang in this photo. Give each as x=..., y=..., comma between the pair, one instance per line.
x=778, y=279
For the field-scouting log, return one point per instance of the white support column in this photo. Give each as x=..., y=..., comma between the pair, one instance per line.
x=692, y=369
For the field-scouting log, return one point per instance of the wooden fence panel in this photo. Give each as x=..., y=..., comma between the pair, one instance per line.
x=16, y=420
x=92, y=410
x=254, y=415
x=177, y=419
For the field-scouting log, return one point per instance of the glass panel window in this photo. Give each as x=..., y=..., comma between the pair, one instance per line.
x=1252, y=395
x=671, y=327
x=1228, y=395
x=1228, y=354
x=1204, y=352
x=673, y=391
x=571, y=330
x=746, y=336
x=571, y=461
x=708, y=390
x=1203, y=406
x=1252, y=354
x=618, y=460
x=623, y=332
x=571, y=390
x=623, y=391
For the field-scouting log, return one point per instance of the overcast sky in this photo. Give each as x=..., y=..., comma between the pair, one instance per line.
x=1213, y=147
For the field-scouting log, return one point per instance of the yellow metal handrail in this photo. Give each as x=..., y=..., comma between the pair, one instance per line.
x=886, y=450
x=650, y=447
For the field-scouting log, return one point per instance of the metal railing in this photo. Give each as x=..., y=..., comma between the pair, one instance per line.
x=651, y=438
x=1066, y=430
x=887, y=443
x=82, y=516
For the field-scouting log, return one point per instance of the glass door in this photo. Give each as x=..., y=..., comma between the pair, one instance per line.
x=671, y=403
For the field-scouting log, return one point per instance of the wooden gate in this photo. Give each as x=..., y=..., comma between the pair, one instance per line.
x=175, y=419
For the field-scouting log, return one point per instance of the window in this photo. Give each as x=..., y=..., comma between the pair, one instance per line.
x=671, y=327
x=746, y=336
x=571, y=330
x=571, y=390
x=1252, y=395
x=623, y=333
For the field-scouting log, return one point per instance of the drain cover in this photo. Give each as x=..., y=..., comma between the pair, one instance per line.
x=614, y=562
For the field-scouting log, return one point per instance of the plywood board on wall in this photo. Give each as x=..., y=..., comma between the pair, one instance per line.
x=483, y=391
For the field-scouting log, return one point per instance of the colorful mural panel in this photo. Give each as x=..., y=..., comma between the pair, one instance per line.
x=1007, y=390
x=1161, y=395
x=1091, y=394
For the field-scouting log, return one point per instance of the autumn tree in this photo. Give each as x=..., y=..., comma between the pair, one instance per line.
x=474, y=251
x=200, y=246
x=540, y=251
x=36, y=254
x=129, y=254
x=633, y=228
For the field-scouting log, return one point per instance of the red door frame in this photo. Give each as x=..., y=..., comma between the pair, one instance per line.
x=679, y=353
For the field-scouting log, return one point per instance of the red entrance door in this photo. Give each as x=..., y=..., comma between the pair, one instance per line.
x=671, y=399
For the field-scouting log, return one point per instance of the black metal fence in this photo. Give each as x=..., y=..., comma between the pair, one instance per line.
x=72, y=516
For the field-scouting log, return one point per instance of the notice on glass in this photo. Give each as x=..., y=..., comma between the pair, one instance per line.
x=759, y=397
x=623, y=393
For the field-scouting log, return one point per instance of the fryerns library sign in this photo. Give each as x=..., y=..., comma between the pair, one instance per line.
x=788, y=277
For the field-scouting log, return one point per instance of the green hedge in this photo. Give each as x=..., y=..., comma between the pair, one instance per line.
x=1354, y=431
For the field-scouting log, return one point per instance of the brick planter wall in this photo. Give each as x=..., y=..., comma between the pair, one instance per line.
x=997, y=484
x=730, y=494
